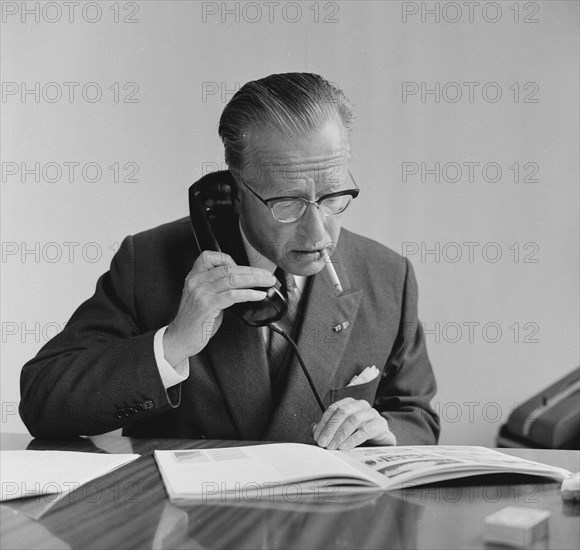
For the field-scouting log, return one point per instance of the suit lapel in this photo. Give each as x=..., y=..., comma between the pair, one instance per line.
x=321, y=348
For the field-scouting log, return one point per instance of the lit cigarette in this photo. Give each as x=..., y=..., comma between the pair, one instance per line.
x=331, y=270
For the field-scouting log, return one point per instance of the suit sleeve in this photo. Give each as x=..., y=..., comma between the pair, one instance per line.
x=408, y=384
x=99, y=374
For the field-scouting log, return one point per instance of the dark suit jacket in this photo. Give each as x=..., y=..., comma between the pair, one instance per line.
x=100, y=374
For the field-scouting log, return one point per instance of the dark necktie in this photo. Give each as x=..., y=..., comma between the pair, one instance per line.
x=277, y=346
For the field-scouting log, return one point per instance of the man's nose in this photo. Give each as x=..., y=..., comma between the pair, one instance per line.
x=313, y=223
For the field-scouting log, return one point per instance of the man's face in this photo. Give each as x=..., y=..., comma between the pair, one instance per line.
x=305, y=166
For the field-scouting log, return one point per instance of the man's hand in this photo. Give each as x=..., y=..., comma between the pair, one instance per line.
x=214, y=283
x=349, y=423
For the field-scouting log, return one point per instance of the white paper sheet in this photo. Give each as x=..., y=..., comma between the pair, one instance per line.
x=31, y=473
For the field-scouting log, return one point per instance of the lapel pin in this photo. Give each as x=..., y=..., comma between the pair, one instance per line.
x=340, y=326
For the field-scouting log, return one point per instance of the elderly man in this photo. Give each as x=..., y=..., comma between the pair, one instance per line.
x=159, y=351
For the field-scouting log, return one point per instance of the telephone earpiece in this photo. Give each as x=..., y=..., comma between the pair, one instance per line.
x=214, y=221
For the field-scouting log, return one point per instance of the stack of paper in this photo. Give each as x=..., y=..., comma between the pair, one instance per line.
x=32, y=473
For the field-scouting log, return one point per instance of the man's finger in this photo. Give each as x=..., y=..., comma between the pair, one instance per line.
x=344, y=408
x=226, y=299
x=328, y=415
x=350, y=425
x=366, y=431
x=235, y=281
x=226, y=270
x=209, y=259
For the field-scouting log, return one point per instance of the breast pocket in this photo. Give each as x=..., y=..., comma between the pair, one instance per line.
x=366, y=391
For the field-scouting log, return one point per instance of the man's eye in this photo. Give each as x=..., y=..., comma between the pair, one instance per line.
x=336, y=203
x=287, y=207
x=333, y=201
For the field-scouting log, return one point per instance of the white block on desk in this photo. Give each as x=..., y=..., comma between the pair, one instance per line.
x=571, y=487
x=516, y=526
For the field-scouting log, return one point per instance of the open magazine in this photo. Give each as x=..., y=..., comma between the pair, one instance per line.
x=294, y=469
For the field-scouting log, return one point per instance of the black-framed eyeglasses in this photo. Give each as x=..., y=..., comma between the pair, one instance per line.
x=290, y=209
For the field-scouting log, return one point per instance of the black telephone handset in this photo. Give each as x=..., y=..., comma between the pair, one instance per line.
x=214, y=220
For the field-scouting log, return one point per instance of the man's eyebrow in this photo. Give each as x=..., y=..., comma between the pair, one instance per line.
x=290, y=167
x=308, y=165
x=332, y=187
x=329, y=174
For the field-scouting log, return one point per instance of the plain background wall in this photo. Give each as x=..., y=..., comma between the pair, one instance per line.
x=186, y=68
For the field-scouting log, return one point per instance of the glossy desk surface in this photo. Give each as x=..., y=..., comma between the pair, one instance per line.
x=128, y=508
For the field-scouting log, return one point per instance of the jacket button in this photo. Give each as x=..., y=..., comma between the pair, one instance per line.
x=121, y=414
x=148, y=404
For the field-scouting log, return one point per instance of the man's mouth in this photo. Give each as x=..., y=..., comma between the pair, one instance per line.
x=311, y=254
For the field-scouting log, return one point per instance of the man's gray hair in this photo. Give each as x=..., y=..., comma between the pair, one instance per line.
x=293, y=103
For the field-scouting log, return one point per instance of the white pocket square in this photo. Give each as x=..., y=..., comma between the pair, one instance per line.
x=370, y=373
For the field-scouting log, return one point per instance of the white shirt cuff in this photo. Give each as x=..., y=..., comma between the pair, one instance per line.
x=170, y=376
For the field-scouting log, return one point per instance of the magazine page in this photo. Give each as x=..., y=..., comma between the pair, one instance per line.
x=257, y=469
x=407, y=465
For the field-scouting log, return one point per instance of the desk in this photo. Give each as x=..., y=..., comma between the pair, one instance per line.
x=129, y=508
